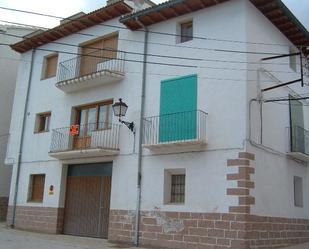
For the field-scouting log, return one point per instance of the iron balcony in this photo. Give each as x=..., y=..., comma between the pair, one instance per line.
x=98, y=139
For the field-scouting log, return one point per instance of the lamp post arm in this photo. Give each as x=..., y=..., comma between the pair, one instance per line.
x=130, y=125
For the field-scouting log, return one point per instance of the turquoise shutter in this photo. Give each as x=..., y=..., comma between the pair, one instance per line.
x=297, y=126
x=178, y=100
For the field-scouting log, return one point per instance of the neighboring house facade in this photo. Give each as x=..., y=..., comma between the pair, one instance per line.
x=219, y=166
x=9, y=61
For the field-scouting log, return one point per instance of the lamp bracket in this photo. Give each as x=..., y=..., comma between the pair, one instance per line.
x=130, y=125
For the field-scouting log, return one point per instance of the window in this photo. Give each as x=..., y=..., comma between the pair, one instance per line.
x=36, y=188
x=298, y=191
x=293, y=64
x=42, y=122
x=174, y=186
x=186, y=31
x=50, y=66
x=92, y=118
x=95, y=116
x=178, y=188
x=96, y=52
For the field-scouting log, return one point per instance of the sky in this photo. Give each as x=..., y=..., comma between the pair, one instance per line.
x=65, y=8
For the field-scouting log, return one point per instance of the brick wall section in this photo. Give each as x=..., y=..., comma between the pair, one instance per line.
x=3, y=207
x=41, y=219
x=243, y=165
x=208, y=230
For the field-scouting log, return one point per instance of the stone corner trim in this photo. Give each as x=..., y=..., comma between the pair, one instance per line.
x=186, y=230
x=244, y=183
x=4, y=201
x=39, y=219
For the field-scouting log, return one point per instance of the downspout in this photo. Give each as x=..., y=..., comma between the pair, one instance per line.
x=141, y=125
x=20, y=149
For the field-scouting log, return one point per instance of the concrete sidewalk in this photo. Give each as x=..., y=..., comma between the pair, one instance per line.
x=15, y=239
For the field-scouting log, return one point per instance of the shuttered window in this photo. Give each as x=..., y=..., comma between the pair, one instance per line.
x=50, y=66
x=96, y=52
x=37, y=183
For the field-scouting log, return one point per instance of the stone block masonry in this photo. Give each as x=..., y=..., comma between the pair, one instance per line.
x=238, y=229
x=40, y=219
x=208, y=230
x=3, y=207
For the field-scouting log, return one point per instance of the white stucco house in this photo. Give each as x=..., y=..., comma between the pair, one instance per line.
x=216, y=154
x=9, y=61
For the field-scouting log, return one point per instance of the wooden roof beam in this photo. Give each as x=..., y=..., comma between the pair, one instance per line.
x=296, y=35
x=109, y=14
x=286, y=25
x=187, y=7
x=117, y=11
x=275, y=12
x=173, y=11
x=148, y=19
x=202, y=4
x=101, y=17
x=279, y=20
x=265, y=5
x=162, y=16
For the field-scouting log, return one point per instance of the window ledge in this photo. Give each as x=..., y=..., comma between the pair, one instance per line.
x=40, y=132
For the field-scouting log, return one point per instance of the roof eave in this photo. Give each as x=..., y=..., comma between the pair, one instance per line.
x=40, y=39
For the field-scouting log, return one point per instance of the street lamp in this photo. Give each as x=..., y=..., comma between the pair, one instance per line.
x=120, y=109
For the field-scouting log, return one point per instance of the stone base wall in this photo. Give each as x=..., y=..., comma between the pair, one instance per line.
x=3, y=208
x=208, y=230
x=41, y=219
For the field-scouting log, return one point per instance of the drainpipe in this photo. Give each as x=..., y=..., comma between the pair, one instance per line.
x=20, y=150
x=141, y=125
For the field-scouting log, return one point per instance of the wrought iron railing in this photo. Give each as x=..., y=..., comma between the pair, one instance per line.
x=97, y=61
x=89, y=136
x=175, y=127
x=299, y=140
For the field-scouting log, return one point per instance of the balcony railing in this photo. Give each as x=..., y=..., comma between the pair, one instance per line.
x=103, y=136
x=181, y=128
x=299, y=140
x=91, y=64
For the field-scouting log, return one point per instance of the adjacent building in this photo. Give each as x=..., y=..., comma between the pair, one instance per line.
x=9, y=61
x=217, y=150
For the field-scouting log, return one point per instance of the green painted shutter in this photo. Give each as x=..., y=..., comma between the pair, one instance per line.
x=178, y=100
x=297, y=126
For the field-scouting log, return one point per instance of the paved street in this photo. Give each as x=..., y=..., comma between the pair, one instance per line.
x=14, y=239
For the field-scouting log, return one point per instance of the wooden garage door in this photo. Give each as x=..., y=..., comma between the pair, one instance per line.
x=88, y=200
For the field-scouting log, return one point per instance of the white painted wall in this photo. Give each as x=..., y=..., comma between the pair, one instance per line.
x=226, y=122
x=8, y=70
x=223, y=94
x=274, y=170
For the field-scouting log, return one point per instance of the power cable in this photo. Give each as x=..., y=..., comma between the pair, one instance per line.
x=136, y=61
x=175, y=57
x=154, y=32
x=154, y=43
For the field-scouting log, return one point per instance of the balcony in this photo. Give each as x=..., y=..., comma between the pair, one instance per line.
x=90, y=70
x=91, y=140
x=175, y=130
x=299, y=143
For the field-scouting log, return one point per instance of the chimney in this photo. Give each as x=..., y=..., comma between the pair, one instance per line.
x=73, y=17
x=110, y=2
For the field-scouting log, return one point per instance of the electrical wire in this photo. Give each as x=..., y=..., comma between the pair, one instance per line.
x=156, y=63
x=173, y=57
x=154, y=32
x=153, y=43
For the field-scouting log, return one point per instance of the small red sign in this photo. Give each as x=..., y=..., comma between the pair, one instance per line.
x=74, y=130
